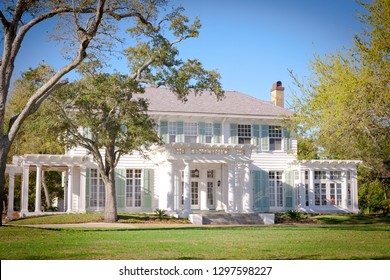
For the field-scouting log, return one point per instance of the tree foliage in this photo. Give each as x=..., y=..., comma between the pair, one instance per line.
x=344, y=106
x=35, y=135
x=103, y=104
x=99, y=114
x=83, y=25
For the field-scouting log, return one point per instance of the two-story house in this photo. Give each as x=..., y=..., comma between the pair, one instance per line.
x=232, y=155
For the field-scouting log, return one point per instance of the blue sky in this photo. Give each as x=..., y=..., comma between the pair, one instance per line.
x=251, y=43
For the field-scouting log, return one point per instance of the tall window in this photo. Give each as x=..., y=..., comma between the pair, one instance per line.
x=244, y=134
x=275, y=189
x=172, y=131
x=98, y=194
x=208, y=132
x=275, y=137
x=190, y=132
x=133, y=187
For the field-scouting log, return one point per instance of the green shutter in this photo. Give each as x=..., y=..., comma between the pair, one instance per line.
x=265, y=138
x=233, y=133
x=217, y=133
x=202, y=132
x=164, y=131
x=87, y=187
x=260, y=191
x=120, y=188
x=180, y=132
x=256, y=137
x=286, y=140
x=147, y=189
x=288, y=189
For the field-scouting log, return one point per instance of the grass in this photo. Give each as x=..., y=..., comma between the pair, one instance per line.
x=205, y=243
x=351, y=238
x=93, y=218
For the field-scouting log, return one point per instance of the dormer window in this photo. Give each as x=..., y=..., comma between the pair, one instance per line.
x=244, y=133
x=275, y=137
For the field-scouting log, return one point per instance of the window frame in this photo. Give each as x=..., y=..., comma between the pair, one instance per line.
x=244, y=134
x=275, y=135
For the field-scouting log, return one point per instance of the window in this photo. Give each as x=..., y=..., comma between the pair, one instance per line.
x=320, y=194
x=98, y=193
x=208, y=132
x=275, y=189
x=318, y=175
x=172, y=131
x=275, y=137
x=307, y=194
x=323, y=194
x=190, y=132
x=338, y=192
x=335, y=175
x=244, y=133
x=133, y=187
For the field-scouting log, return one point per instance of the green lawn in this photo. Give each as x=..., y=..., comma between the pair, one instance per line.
x=202, y=243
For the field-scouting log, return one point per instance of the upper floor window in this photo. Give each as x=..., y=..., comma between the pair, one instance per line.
x=275, y=137
x=208, y=132
x=244, y=133
x=190, y=132
x=172, y=131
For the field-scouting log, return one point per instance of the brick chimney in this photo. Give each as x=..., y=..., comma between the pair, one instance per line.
x=277, y=94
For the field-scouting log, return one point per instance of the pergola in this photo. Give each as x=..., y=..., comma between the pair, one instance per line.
x=23, y=165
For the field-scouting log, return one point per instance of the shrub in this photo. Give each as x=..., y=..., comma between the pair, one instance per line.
x=161, y=213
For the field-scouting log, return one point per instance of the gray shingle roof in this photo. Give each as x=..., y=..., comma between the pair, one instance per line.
x=234, y=103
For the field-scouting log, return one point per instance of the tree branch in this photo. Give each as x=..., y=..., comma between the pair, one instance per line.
x=4, y=21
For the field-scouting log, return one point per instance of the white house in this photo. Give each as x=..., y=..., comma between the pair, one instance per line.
x=232, y=156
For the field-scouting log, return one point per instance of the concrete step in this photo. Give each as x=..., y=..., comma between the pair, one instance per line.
x=231, y=219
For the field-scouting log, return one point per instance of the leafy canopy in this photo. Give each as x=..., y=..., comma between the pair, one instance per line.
x=344, y=107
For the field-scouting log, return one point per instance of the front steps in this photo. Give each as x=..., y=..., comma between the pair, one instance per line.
x=231, y=218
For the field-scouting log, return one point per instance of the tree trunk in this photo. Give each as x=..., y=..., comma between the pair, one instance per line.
x=110, y=211
x=47, y=197
x=4, y=149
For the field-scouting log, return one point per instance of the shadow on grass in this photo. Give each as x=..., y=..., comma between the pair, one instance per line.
x=353, y=219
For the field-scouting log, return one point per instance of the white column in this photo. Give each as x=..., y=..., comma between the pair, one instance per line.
x=203, y=189
x=248, y=191
x=83, y=178
x=24, y=196
x=224, y=187
x=344, y=192
x=65, y=186
x=70, y=189
x=11, y=188
x=354, y=192
x=38, y=183
x=231, y=206
x=187, y=188
x=171, y=188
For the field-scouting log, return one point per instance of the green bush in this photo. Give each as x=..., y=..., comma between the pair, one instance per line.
x=161, y=213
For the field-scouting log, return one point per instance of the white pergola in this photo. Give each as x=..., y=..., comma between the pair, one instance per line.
x=22, y=165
